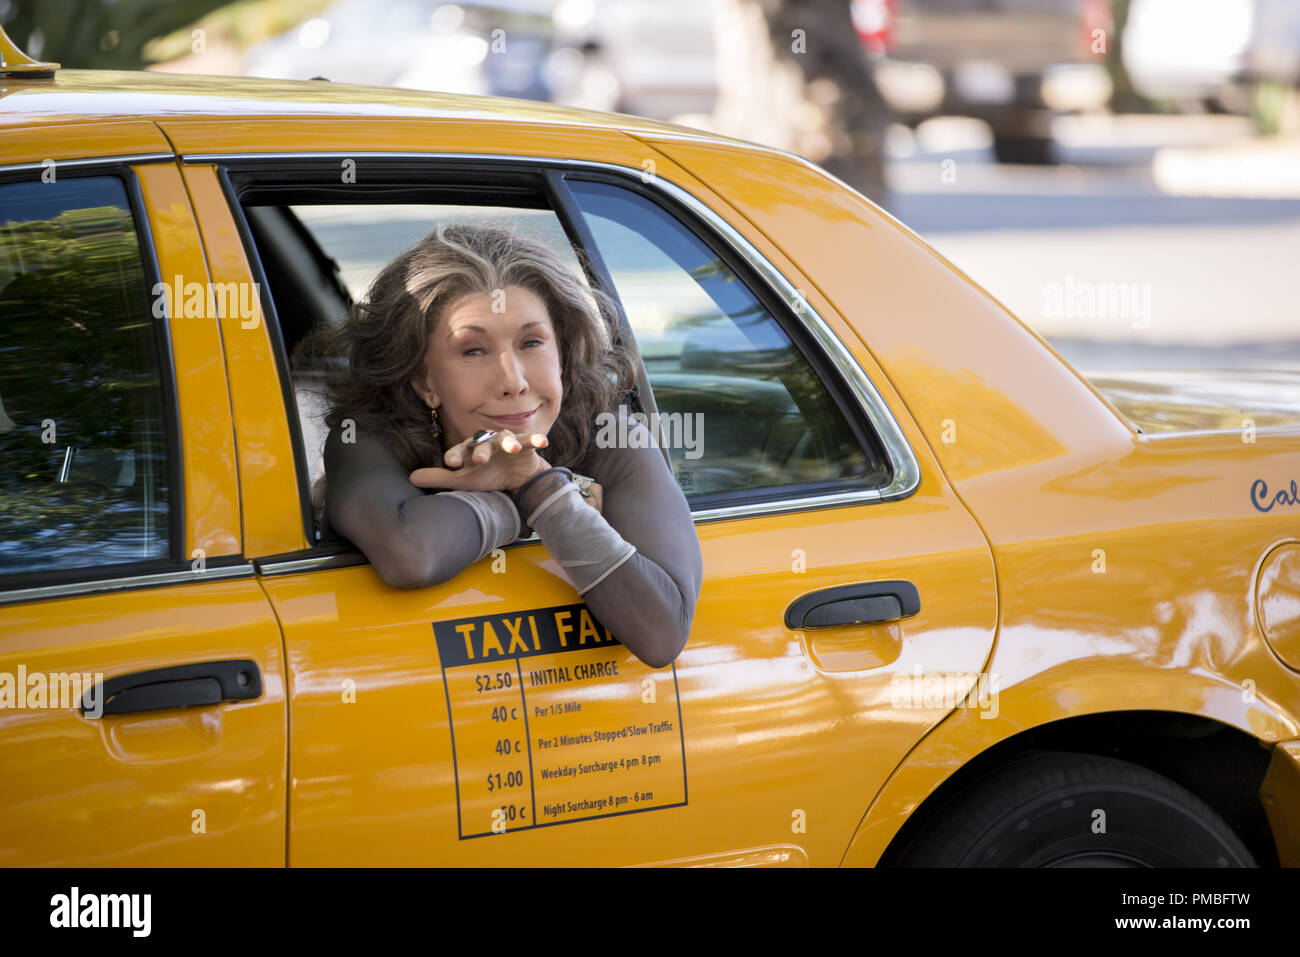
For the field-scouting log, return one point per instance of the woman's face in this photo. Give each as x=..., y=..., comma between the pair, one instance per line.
x=493, y=363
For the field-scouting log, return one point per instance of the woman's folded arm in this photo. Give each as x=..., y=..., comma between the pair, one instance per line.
x=413, y=540
x=638, y=565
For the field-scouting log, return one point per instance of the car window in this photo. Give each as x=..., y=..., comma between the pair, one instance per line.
x=83, y=447
x=740, y=406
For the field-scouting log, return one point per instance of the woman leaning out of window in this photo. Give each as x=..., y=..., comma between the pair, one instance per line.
x=476, y=370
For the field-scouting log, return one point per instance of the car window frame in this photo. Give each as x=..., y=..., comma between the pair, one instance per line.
x=816, y=343
x=175, y=566
x=409, y=173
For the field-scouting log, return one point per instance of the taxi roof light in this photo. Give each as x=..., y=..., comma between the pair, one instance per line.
x=14, y=62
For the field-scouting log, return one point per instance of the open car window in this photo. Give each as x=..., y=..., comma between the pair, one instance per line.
x=746, y=414
x=320, y=258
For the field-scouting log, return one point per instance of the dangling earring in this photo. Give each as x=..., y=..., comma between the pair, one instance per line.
x=435, y=427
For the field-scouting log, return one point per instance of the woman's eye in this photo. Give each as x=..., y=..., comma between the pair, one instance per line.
x=475, y=349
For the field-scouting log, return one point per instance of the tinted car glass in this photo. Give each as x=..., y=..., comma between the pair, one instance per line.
x=83, y=451
x=740, y=407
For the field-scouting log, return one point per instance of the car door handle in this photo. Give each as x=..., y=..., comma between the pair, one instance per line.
x=180, y=686
x=860, y=604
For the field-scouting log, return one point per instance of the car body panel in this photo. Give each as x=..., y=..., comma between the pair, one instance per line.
x=62, y=140
x=346, y=633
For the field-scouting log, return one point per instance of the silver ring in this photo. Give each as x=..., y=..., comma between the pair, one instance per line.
x=481, y=436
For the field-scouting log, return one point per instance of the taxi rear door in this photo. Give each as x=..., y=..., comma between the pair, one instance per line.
x=418, y=716
x=478, y=722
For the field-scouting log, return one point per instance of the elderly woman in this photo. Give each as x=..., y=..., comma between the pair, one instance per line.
x=477, y=368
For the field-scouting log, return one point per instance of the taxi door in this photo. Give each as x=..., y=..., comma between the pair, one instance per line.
x=490, y=721
x=142, y=707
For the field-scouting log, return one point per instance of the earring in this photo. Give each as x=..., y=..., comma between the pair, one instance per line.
x=435, y=427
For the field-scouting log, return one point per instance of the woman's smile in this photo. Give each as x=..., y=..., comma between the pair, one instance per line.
x=514, y=421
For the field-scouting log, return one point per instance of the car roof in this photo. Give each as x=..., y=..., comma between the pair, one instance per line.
x=92, y=95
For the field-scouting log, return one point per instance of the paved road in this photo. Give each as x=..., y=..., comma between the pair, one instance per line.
x=1109, y=255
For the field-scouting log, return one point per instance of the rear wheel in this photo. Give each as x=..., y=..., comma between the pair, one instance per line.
x=1053, y=809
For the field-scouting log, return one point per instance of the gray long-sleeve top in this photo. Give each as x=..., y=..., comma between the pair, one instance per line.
x=637, y=564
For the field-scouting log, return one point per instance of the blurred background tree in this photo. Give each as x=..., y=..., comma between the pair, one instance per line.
x=130, y=34
x=92, y=34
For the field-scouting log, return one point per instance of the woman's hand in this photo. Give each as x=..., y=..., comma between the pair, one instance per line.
x=503, y=463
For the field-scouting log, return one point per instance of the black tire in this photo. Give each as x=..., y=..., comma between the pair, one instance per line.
x=1040, y=812
x=1033, y=150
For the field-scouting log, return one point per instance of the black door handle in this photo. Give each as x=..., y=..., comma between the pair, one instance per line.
x=180, y=686
x=859, y=604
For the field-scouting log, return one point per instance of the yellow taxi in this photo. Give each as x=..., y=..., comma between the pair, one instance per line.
x=960, y=607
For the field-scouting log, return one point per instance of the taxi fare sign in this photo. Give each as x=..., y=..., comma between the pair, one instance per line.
x=554, y=721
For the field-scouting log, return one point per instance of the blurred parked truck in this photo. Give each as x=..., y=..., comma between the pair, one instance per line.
x=1011, y=63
